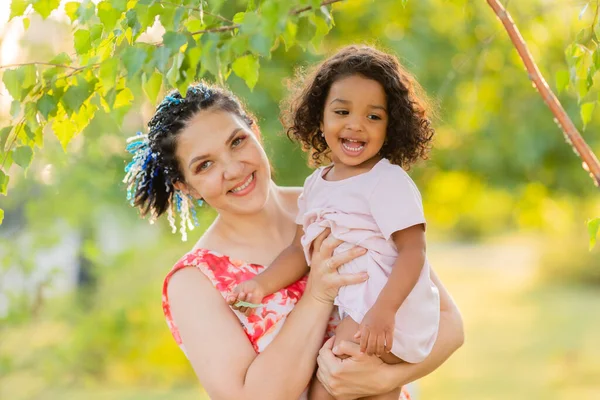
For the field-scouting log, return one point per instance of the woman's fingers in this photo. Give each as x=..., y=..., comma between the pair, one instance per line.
x=350, y=279
x=342, y=258
x=328, y=246
x=316, y=244
x=346, y=347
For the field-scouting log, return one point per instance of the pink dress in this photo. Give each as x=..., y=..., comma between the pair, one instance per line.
x=225, y=273
x=365, y=210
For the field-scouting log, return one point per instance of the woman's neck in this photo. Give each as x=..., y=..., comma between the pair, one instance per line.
x=270, y=225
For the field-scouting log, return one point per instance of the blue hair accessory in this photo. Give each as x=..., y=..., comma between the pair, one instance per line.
x=139, y=175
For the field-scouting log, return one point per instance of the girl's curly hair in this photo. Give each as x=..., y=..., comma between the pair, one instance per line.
x=409, y=131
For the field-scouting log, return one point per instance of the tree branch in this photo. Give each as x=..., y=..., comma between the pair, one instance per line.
x=236, y=26
x=324, y=3
x=582, y=149
x=43, y=63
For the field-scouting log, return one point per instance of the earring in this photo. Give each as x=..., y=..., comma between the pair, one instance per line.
x=200, y=202
x=321, y=133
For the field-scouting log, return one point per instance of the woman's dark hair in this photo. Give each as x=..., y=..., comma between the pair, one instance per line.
x=160, y=168
x=409, y=130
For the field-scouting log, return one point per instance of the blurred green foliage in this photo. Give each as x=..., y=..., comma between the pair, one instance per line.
x=499, y=166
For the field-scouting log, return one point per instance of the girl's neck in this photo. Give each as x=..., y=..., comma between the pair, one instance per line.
x=341, y=171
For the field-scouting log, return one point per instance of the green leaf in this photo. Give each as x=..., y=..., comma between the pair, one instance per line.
x=173, y=74
x=26, y=23
x=134, y=59
x=1, y=216
x=47, y=105
x=108, y=73
x=83, y=43
x=12, y=80
x=72, y=8
x=562, y=80
x=4, y=132
x=45, y=7
x=586, y=111
x=61, y=58
x=152, y=86
x=23, y=156
x=289, y=34
x=3, y=182
x=593, y=229
x=261, y=44
x=124, y=98
x=173, y=41
x=241, y=303
x=18, y=7
x=15, y=108
x=247, y=67
x=160, y=58
x=76, y=95
x=108, y=15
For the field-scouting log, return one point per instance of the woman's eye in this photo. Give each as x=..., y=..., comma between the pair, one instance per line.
x=237, y=141
x=203, y=165
x=341, y=112
x=374, y=117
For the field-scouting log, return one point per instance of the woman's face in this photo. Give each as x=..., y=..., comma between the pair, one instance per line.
x=223, y=163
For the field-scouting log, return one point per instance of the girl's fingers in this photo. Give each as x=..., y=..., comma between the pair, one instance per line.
x=389, y=340
x=372, y=344
x=380, y=347
x=364, y=340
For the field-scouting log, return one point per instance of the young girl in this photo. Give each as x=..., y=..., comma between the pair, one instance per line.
x=361, y=111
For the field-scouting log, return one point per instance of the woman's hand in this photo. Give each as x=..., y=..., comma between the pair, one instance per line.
x=350, y=378
x=324, y=281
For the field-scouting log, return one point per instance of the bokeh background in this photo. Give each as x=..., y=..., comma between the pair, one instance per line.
x=505, y=197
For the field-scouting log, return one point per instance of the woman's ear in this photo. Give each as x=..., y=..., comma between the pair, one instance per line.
x=181, y=187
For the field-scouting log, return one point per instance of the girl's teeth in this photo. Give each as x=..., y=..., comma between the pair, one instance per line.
x=245, y=185
x=351, y=148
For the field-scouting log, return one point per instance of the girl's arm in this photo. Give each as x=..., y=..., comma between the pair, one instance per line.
x=219, y=350
x=287, y=268
x=377, y=327
x=362, y=375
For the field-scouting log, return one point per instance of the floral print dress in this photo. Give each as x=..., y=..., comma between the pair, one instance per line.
x=225, y=273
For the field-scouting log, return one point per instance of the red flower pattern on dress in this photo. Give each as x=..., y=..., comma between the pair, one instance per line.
x=225, y=273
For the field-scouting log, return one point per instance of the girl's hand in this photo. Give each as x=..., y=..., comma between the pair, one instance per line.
x=376, y=331
x=249, y=291
x=324, y=281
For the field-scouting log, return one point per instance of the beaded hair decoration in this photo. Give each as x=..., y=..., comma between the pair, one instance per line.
x=146, y=164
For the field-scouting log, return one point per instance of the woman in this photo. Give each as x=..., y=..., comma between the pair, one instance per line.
x=206, y=147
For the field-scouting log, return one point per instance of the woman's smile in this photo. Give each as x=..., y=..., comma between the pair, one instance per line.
x=244, y=187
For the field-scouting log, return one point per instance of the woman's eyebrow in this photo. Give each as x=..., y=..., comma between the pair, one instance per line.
x=227, y=142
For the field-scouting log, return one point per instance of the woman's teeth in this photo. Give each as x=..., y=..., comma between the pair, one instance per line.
x=356, y=145
x=245, y=185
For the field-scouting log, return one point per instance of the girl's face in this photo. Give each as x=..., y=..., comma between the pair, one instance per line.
x=223, y=163
x=355, y=120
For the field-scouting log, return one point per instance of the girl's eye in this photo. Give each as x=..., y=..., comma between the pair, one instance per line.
x=203, y=165
x=374, y=117
x=341, y=112
x=237, y=141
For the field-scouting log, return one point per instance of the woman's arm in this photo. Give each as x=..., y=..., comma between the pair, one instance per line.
x=219, y=350
x=362, y=375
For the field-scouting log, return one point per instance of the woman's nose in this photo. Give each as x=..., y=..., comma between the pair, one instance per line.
x=234, y=169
